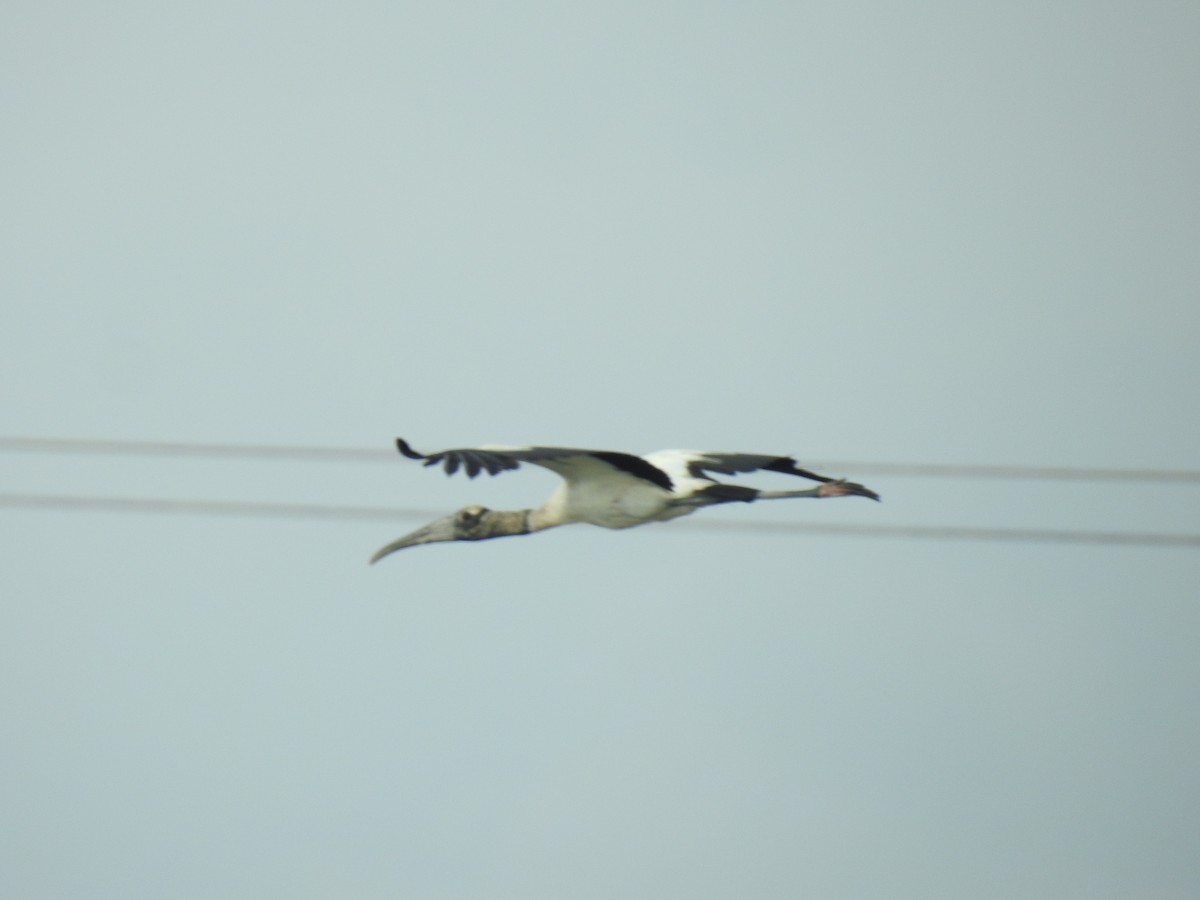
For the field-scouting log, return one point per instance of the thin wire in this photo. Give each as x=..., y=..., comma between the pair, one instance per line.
x=376, y=455
x=75, y=503
x=1052, y=473
x=65, y=503
x=90, y=447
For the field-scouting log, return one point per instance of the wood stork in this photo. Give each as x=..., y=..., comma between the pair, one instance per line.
x=600, y=487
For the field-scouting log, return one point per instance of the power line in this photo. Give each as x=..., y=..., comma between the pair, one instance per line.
x=1053, y=473
x=70, y=503
x=164, y=506
x=97, y=447
x=90, y=447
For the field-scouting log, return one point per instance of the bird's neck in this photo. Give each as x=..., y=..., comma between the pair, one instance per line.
x=510, y=521
x=541, y=518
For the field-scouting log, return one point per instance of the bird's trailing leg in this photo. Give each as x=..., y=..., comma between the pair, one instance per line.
x=837, y=488
x=737, y=493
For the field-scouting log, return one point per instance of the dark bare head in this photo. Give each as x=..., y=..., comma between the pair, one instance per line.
x=471, y=523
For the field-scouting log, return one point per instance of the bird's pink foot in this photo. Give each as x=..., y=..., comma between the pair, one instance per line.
x=833, y=489
x=844, y=488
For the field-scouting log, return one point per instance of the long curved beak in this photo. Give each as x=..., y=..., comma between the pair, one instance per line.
x=440, y=530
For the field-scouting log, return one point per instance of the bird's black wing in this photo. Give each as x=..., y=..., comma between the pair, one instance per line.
x=733, y=463
x=563, y=460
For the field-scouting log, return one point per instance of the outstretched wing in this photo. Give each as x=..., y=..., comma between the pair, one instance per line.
x=734, y=463
x=571, y=464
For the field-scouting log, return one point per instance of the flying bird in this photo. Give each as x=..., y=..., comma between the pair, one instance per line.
x=605, y=488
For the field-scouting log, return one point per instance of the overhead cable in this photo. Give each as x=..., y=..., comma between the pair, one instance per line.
x=99, y=447
x=75, y=503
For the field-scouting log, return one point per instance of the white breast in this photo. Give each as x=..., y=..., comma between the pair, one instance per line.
x=609, y=505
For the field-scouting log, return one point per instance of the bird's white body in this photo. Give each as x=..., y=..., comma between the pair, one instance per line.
x=606, y=488
x=596, y=493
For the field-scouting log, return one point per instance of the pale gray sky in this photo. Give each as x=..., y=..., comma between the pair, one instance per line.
x=927, y=232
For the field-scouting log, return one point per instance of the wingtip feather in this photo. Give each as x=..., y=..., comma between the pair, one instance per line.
x=403, y=446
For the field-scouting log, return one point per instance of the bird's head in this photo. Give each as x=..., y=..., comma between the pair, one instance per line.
x=471, y=523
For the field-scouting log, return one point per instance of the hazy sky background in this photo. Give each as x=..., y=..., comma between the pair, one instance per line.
x=926, y=232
